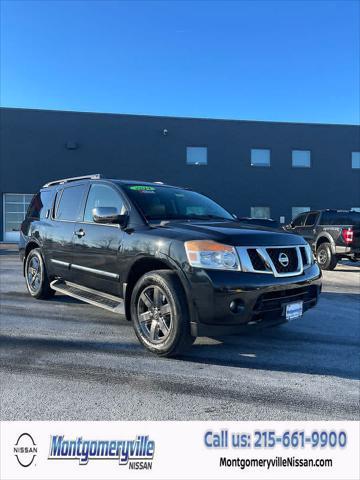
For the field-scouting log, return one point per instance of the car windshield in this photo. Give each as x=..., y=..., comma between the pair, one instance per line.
x=170, y=203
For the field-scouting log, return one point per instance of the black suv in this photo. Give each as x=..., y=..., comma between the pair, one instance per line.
x=332, y=234
x=172, y=260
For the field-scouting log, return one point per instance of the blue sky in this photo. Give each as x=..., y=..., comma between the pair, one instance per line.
x=257, y=60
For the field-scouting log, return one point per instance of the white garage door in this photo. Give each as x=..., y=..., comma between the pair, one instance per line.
x=15, y=206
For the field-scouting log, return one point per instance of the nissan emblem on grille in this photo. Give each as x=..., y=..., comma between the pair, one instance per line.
x=283, y=259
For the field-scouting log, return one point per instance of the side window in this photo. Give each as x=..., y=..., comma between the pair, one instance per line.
x=326, y=218
x=40, y=204
x=299, y=221
x=102, y=196
x=70, y=202
x=311, y=219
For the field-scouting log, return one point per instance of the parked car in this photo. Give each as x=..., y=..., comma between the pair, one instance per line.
x=332, y=234
x=176, y=263
x=263, y=222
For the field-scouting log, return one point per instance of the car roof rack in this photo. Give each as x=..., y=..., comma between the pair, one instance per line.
x=94, y=176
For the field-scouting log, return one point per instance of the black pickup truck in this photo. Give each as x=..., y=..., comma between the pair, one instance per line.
x=176, y=263
x=332, y=234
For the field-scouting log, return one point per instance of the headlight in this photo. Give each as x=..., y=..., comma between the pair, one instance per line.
x=309, y=255
x=212, y=255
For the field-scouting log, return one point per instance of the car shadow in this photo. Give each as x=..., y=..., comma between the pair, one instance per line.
x=24, y=295
x=346, y=270
x=326, y=347
x=8, y=251
x=324, y=342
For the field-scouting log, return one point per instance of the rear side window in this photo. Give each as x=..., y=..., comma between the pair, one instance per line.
x=340, y=218
x=311, y=219
x=70, y=203
x=40, y=205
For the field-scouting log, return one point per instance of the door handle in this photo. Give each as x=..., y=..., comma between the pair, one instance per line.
x=80, y=233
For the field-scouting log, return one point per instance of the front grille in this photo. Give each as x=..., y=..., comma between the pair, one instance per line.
x=303, y=255
x=274, y=301
x=291, y=254
x=285, y=261
x=256, y=260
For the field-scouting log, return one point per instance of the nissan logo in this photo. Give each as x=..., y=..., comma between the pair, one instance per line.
x=283, y=259
x=25, y=450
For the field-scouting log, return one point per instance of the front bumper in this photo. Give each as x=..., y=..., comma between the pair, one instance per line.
x=259, y=298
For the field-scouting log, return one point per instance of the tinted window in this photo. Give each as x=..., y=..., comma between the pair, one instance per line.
x=311, y=219
x=102, y=196
x=40, y=204
x=301, y=158
x=70, y=203
x=355, y=159
x=299, y=221
x=295, y=211
x=260, y=157
x=260, y=212
x=168, y=203
x=340, y=218
x=196, y=155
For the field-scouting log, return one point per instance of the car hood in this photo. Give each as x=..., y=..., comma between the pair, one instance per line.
x=234, y=233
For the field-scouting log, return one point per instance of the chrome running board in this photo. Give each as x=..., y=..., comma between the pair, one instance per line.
x=88, y=295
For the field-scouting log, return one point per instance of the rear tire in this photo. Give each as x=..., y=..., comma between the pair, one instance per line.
x=325, y=257
x=37, y=281
x=160, y=314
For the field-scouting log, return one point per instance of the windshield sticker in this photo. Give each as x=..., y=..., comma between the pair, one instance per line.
x=142, y=188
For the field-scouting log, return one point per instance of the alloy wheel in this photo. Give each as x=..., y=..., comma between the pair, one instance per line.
x=34, y=274
x=154, y=314
x=322, y=256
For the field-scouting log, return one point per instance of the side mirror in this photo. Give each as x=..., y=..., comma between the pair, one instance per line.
x=109, y=215
x=290, y=225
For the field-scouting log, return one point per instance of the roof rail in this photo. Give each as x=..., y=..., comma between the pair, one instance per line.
x=72, y=179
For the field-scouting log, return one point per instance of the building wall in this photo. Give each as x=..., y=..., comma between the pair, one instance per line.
x=33, y=151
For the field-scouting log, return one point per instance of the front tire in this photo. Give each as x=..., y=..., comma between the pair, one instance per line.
x=36, y=278
x=160, y=314
x=325, y=257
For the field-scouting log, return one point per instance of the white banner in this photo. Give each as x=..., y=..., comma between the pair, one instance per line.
x=179, y=450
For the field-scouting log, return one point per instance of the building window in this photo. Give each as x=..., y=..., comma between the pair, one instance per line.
x=301, y=158
x=15, y=207
x=260, y=157
x=260, y=212
x=295, y=211
x=196, y=155
x=355, y=160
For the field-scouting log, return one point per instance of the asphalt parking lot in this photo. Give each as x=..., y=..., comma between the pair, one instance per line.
x=66, y=360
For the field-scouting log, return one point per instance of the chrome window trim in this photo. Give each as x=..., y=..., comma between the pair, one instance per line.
x=114, y=225
x=247, y=266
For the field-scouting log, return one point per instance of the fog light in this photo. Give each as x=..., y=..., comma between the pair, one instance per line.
x=236, y=306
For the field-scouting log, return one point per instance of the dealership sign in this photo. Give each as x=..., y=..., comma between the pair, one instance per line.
x=180, y=450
